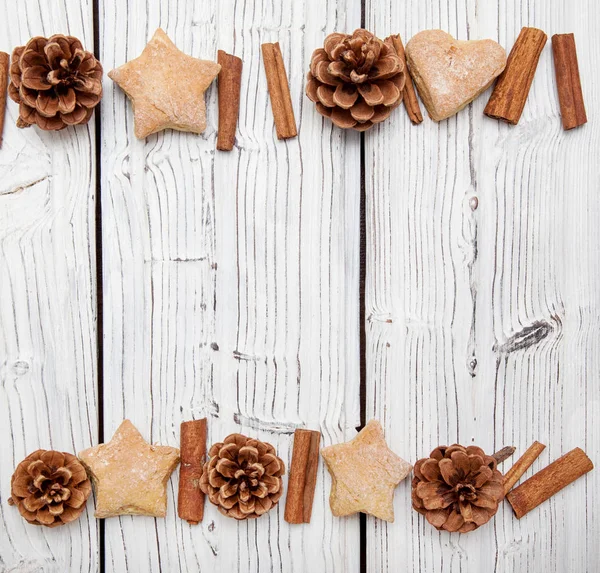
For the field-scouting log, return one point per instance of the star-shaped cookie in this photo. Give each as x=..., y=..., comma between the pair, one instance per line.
x=166, y=87
x=129, y=474
x=365, y=473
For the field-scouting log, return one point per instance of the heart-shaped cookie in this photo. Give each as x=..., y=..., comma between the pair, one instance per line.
x=450, y=73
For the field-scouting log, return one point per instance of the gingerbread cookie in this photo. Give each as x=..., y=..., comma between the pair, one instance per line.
x=166, y=87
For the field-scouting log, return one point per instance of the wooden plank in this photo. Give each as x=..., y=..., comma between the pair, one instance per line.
x=48, y=350
x=482, y=316
x=231, y=279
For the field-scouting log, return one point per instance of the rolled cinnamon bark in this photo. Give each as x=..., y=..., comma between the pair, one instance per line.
x=4, y=65
x=411, y=103
x=568, y=82
x=303, y=476
x=514, y=474
x=230, y=79
x=190, y=502
x=279, y=91
x=512, y=88
x=543, y=485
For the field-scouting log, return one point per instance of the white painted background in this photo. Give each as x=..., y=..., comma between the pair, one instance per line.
x=230, y=288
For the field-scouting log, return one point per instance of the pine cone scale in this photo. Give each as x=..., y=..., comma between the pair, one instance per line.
x=371, y=94
x=344, y=96
x=54, y=54
x=362, y=111
x=228, y=502
x=75, y=117
x=33, y=503
x=228, y=451
x=226, y=468
x=382, y=112
x=46, y=107
x=248, y=454
x=485, y=501
x=386, y=68
x=56, y=509
x=482, y=476
x=34, y=65
x=333, y=45
x=340, y=71
x=434, y=496
x=427, y=470
x=342, y=117
x=325, y=76
x=20, y=486
x=44, y=516
x=215, y=480
x=247, y=507
x=228, y=489
x=78, y=473
x=28, y=96
x=66, y=102
x=35, y=78
x=453, y=523
x=257, y=468
x=261, y=491
x=491, y=490
x=389, y=91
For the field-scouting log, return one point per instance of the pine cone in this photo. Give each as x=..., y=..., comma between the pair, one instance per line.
x=50, y=488
x=243, y=477
x=356, y=80
x=457, y=488
x=55, y=82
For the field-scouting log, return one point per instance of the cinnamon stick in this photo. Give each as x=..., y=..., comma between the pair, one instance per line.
x=190, y=502
x=514, y=474
x=4, y=64
x=303, y=476
x=503, y=454
x=411, y=103
x=568, y=82
x=547, y=482
x=512, y=88
x=230, y=80
x=279, y=91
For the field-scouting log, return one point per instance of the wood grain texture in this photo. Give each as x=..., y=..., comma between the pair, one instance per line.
x=231, y=279
x=482, y=301
x=231, y=288
x=48, y=351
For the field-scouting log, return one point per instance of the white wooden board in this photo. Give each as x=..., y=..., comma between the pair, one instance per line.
x=482, y=324
x=231, y=280
x=48, y=350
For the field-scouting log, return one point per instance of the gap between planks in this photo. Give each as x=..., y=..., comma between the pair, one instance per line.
x=99, y=277
x=362, y=273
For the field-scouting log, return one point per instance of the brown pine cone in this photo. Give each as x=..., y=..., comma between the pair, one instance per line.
x=243, y=477
x=50, y=488
x=356, y=80
x=457, y=488
x=55, y=82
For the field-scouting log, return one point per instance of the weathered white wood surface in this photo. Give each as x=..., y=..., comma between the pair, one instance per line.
x=230, y=280
x=48, y=358
x=231, y=288
x=482, y=322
